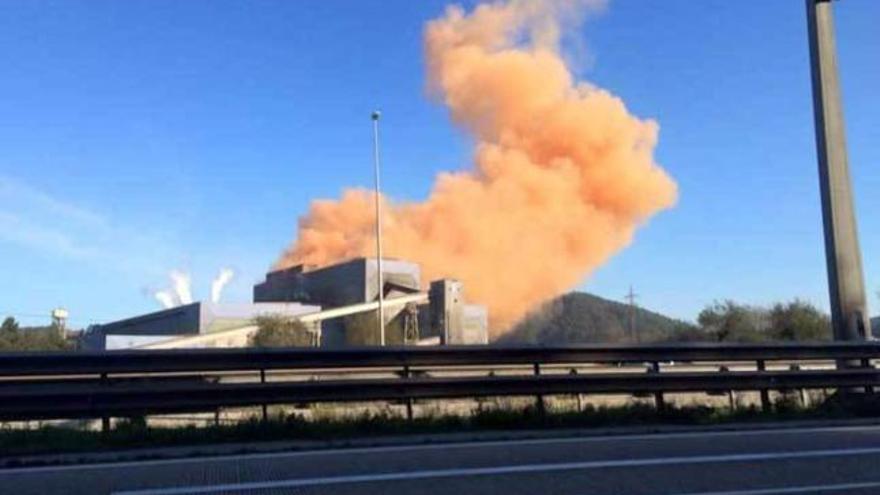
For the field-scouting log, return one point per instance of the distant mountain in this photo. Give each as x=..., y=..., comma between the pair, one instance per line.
x=875, y=326
x=579, y=317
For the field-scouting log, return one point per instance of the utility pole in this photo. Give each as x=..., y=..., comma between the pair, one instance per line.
x=631, y=298
x=849, y=315
x=380, y=286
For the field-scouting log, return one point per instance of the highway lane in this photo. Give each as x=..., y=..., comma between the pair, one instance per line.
x=817, y=460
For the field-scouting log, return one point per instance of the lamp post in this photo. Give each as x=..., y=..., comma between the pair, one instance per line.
x=380, y=286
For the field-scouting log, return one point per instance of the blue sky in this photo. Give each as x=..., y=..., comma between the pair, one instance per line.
x=138, y=137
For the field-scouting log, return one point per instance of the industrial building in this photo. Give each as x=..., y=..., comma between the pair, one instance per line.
x=193, y=325
x=342, y=285
x=445, y=319
x=326, y=299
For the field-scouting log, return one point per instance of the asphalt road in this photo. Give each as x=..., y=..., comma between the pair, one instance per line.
x=815, y=460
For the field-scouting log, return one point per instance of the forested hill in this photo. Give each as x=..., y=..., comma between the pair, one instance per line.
x=579, y=317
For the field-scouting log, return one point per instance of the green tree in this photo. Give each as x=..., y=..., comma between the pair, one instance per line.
x=9, y=325
x=792, y=321
x=281, y=331
x=729, y=321
x=362, y=329
x=798, y=321
x=16, y=338
x=686, y=332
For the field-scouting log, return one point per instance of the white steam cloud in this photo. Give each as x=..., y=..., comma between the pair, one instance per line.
x=165, y=298
x=182, y=286
x=180, y=291
x=219, y=283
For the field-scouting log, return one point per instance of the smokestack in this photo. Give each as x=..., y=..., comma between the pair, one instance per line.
x=563, y=174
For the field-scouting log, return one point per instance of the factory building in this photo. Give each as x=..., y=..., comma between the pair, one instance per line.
x=329, y=300
x=342, y=284
x=446, y=319
x=449, y=319
x=345, y=284
x=193, y=325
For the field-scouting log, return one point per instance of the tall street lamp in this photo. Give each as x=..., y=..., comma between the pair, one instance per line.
x=380, y=286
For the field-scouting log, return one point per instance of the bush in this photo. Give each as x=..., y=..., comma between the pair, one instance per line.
x=733, y=322
x=15, y=338
x=362, y=329
x=281, y=331
x=797, y=320
x=134, y=432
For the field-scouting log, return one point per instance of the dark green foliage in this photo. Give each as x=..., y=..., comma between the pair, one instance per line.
x=793, y=321
x=799, y=321
x=9, y=325
x=280, y=331
x=17, y=338
x=584, y=318
x=135, y=433
x=690, y=333
x=362, y=329
x=729, y=321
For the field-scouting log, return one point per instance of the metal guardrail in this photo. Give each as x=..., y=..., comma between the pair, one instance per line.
x=202, y=360
x=131, y=400
x=124, y=383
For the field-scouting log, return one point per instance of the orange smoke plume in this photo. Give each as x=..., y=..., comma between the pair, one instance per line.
x=563, y=172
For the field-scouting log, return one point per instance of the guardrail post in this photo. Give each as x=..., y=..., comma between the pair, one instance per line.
x=731, y=395
x=802, y=393
x=105, y=420
x=580, y=407
x=659, y=402
x=866, y=363
x=409, y=401
x=264, y=406
x=539, y=402
x=765, y=394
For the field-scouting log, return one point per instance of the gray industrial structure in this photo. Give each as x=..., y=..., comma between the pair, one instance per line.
x=447, y=318
x=846, y=285
x=323, y=299
x=343, y=284
x=450, y=319
x=189, y=320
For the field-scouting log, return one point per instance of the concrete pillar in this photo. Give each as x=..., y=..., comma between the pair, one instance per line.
x=845, y=283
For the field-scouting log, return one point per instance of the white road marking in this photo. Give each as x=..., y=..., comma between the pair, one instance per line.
x=798, y=489
x=434, y=446
x=497, y=470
